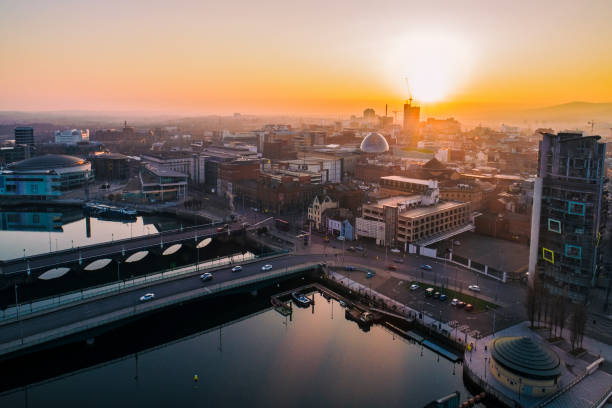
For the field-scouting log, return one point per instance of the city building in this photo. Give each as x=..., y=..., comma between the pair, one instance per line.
x=24, y=135
x=71, y=137
x=10, y=153
x=567, y=219
x=412, y=117
x=329, y=166
x=232, y=171
x=193, y=165
x=160, y=185
x=316, y=209
x=339, y=222
x=44, y=177
x=525, y=366
x=111, y=166
x=411, y=218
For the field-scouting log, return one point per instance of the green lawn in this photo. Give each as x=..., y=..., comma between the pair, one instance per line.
x=480, y=305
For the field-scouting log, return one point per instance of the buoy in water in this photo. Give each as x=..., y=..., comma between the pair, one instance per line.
x=195, y=378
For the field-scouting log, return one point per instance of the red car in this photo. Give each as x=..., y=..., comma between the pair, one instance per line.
x=469, y=307
x=220, y=229
x=392, y=267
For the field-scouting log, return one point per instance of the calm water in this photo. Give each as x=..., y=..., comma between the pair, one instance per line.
x=40, y=232
x=315, y=360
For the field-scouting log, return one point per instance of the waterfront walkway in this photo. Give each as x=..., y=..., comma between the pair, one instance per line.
x=579, y=389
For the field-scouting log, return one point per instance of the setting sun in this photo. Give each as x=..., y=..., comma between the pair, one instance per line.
x=429, y=66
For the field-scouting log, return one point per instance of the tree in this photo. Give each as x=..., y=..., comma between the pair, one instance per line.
x=578, y=325
x=562, y=310
x=531, y=304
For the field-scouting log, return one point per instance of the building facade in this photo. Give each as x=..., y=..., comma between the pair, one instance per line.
x=567, y=219
x=316, y=209
x=24, y=135
x=71, y=137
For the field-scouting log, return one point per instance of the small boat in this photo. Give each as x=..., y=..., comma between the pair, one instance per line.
x=300, y=299
x=342, y=303
x=366, y=317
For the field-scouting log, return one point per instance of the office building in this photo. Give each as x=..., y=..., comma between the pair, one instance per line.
x=71, y=137
x=412, y=115
x=24, y=135
x=566, y=228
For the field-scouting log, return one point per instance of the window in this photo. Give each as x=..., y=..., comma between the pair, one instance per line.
x=573, y=251
x=575, y=208
x=554, y=225
x=34, y=188
x=548, y=255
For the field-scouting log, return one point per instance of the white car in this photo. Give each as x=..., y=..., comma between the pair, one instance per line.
x=266, y=267
x=147, y=296
x=395, y=250
x=237, y=268
x=414, y=287
x=475, y=288
x=454, y=302
x=206, y=276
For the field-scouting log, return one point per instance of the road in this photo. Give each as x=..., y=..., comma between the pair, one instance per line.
x=98, y=307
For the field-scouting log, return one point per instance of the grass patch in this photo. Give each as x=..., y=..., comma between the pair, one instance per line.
x=480, y=305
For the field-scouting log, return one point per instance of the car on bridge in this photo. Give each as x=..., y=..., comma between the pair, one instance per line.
x=266, y=267
x=147, y=296
x=206, y=276
x=426, y=267
x=237, y=268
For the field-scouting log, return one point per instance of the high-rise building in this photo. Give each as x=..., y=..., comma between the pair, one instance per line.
x=567, y=214
x=71, y=137
x=24, y=135
x=412, y=115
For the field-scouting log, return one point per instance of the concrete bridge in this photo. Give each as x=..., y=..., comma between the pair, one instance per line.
x=81, y=257
x=35, y=331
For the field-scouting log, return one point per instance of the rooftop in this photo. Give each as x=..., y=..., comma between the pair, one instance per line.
x=421, y=211
x=408, y=180
x=526, y=357
x=46, y=162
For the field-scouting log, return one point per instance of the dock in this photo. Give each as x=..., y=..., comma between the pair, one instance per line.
x=443, y=352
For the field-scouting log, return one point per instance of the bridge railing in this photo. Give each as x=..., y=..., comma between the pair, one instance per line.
x=149, y=307
x=26, y=309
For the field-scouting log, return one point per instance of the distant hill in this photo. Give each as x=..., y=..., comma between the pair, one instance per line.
x=573, y=112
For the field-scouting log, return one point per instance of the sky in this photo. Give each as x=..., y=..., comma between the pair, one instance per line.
x=314, y=57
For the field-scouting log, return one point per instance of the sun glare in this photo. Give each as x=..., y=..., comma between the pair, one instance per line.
x=429, y=67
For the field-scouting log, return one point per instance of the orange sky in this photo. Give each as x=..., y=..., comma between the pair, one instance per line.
x=318, y=57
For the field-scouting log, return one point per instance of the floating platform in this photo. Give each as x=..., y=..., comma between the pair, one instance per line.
x=443, y=352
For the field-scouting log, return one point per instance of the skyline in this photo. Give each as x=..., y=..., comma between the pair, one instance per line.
x=311, y=59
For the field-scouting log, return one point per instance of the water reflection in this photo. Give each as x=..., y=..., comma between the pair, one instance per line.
x=266, y=359
x=36, y=231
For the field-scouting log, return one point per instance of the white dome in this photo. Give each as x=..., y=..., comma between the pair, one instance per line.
x=374, y=143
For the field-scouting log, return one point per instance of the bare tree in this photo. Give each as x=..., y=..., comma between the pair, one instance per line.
x=562, y=309
x=578, y=324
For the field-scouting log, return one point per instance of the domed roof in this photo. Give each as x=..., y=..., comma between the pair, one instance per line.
x=525, y=357
x=47, y=162
x=374, y=143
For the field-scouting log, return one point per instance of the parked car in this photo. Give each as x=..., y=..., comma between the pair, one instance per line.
x=474, y=288
x=429, y=292
x=414, y=286
x=461, y=304
x=426, y=267
x=147, y=296
x=436, y=295
x=398, y=260
x=352, y=249
x=359, y=248
x=443, y=297
x=469, y=307
x=392, y=267
x=369, y=275
x=206, y=276
x=458, y=243
x=395, y=250
x=220, y=229
x=349, y=268
x=266, y=267
x=237, y=268
x=454, y=302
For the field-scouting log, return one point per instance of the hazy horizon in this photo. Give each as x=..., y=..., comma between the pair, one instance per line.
x=309, y=59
